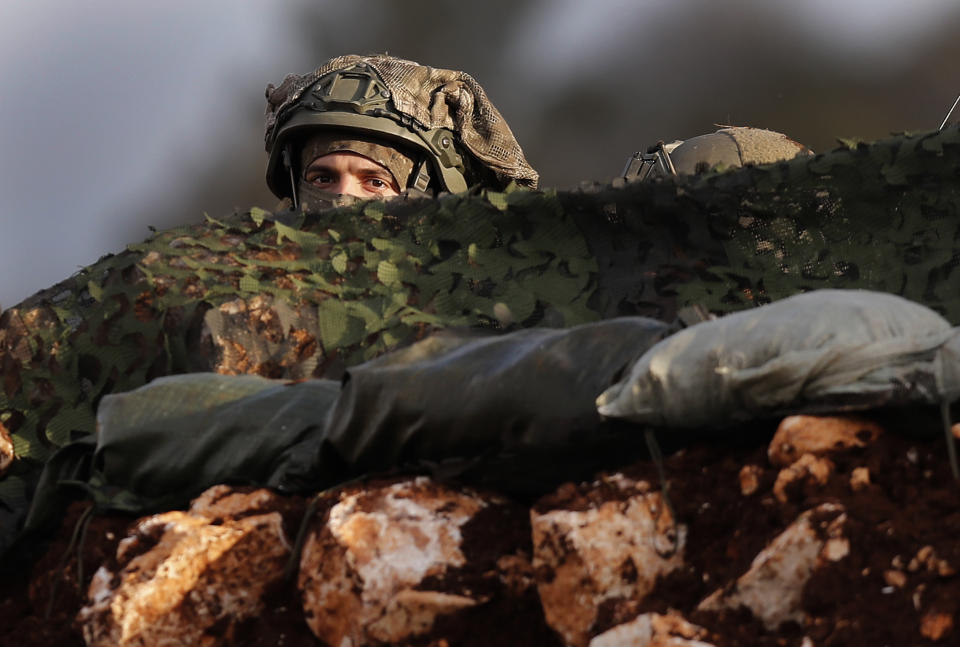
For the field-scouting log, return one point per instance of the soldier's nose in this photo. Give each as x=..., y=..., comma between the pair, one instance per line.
x=341, y=186
x=349, y=185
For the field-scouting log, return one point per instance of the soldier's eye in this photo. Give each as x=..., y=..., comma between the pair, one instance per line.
x=320, y=178
x=378, y=184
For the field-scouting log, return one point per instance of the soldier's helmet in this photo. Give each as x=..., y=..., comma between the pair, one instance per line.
x=441, y=120
x=726, y=148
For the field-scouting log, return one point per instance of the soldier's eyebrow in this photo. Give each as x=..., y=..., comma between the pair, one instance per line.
x=376, y=172
x=316, y=168
x=319, y=164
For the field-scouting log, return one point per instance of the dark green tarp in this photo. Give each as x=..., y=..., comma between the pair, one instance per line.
x=514, y=411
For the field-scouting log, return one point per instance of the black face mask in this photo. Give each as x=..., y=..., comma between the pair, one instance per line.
x=311, y=198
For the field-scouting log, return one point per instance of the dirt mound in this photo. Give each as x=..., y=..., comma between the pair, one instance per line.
x=886, y=512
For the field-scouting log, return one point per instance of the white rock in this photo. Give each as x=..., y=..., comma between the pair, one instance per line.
x=820, y=436
x=772, y=588
x=653, y=630
x=807, y=468
x=750, y=479
x=584, y=558
x=181, y=573
x=360, y=574
x=409, y=613
x=7, y=453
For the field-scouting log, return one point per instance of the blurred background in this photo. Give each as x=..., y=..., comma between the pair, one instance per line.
x=117, y=115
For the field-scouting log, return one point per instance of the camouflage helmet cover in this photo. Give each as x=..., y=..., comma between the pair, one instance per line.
x=417, y=107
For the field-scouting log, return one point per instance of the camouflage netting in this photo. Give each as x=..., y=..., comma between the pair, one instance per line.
x=297, y=295
x=434, y=98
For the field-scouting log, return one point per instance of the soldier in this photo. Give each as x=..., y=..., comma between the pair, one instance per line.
x=378, y=126
x=729, y=147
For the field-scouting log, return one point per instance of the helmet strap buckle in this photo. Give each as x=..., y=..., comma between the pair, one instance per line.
x=421, y=176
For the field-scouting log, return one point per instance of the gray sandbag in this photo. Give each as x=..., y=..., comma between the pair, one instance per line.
x=822, y=350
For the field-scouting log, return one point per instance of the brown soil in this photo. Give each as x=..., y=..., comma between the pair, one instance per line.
x=911, y=503
x=38, y=605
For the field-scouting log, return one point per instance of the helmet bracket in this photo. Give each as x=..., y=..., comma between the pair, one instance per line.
x=421, y=176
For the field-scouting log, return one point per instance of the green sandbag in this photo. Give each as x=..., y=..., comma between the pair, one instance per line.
x=514, y=411
x=525, y=397
x=162, y=444
x=185, y=433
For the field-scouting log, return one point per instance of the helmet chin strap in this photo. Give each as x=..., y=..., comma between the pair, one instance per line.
x=293, y=178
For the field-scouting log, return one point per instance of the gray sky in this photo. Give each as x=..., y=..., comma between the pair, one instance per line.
x=853, y=29
x=105, y=101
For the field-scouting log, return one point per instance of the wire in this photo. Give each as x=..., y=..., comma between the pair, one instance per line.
x=949, y=113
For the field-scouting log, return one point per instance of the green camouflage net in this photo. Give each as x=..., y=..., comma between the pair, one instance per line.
x=296, y=296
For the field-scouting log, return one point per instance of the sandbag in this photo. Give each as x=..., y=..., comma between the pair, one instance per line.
x=822, y=350
x=160, y=445
x=506, y=406
x=510, y=411
x=187, y=432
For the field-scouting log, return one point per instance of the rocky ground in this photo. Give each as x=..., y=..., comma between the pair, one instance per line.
x=835, y=532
